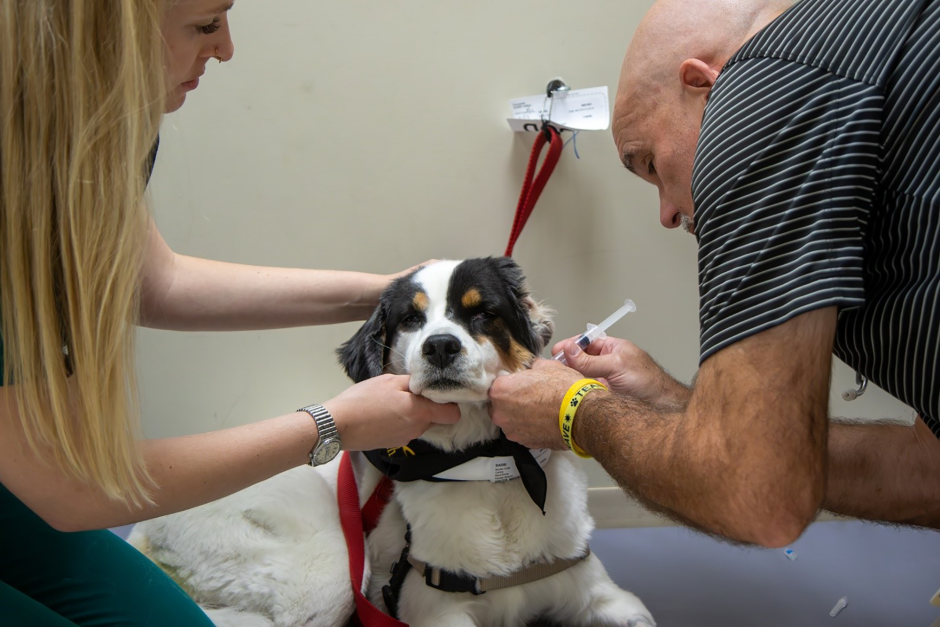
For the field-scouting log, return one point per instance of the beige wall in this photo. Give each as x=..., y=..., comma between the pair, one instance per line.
x=372, y=136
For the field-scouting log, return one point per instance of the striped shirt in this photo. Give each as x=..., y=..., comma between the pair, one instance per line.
x=817, y=183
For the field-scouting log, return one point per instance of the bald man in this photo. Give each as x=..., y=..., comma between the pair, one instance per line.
x=801, y=146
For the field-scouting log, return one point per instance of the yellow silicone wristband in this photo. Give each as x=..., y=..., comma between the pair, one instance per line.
x=569, y=406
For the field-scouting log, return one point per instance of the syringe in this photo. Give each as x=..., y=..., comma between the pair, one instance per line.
x=595, y=332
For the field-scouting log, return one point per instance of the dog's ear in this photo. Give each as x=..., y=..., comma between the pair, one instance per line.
x=363, y=356
x=537, y=315
x=543, y=325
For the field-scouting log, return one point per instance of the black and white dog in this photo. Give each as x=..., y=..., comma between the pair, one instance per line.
x=482, y=531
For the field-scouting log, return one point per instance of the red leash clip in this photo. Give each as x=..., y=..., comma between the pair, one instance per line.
x=533, y=184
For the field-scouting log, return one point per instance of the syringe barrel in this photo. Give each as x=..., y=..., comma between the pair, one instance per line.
x=583, y=341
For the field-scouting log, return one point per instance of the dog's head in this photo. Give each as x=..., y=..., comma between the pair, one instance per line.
x=454, y=326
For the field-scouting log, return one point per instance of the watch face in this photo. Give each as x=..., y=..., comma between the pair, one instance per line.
x=327, y=450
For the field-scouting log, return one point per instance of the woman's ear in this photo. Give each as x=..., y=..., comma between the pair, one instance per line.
x=697, y=77
x=364, y=355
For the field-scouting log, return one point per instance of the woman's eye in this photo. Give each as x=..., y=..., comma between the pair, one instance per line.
x=211, y=27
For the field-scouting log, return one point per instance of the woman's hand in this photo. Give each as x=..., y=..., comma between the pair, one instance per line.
x=397, y=275
x=626, y=369
x=382, y=413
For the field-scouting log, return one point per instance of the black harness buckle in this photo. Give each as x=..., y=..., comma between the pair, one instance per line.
x=391, y=592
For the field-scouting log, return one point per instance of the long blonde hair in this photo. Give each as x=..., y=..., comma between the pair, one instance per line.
x=81, y=95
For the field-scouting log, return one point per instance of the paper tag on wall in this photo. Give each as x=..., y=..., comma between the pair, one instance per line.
x=575, y=110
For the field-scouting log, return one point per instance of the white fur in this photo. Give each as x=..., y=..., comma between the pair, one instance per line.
x=274, y=554
x=274, y=551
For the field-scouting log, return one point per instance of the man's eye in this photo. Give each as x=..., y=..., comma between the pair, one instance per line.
x=652, y=168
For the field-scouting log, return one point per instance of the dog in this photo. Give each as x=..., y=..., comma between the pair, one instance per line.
x=480, y=531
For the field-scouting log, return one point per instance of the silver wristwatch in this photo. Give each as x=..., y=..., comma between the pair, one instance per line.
x=329, y=445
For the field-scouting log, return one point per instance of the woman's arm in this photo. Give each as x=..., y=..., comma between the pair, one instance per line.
x=191, y=294
x=192, y=470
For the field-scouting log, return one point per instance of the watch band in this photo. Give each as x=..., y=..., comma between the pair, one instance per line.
x=326, y=427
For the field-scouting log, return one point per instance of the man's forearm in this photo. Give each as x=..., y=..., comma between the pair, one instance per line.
x=885, y=472
x=634, y=452
x=670, y=465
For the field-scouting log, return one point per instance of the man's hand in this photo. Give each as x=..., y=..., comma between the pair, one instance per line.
x=525, y=404
x=626, y=369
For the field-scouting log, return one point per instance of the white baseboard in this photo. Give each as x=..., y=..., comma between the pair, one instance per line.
x=612, y=509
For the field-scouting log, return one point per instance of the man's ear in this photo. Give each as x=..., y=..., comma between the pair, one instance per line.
x=697, y=77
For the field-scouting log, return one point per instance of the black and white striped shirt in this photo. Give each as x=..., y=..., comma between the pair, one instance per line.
x=817, y=183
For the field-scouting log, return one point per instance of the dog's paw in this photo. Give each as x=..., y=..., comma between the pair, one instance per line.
x=621, y=609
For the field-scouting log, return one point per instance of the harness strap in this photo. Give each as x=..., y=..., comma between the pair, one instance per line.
x=451, y=582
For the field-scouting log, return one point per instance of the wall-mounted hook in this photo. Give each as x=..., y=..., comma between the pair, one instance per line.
x=555, y=85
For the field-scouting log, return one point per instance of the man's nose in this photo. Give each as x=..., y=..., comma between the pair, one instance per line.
x=441, y=350
x=668, y=213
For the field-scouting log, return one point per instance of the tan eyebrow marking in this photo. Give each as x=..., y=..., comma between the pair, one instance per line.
x=420, y=301
x=471, y=298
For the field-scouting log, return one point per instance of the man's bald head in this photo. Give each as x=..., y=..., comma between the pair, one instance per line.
x=675, y=30
x=674, y=58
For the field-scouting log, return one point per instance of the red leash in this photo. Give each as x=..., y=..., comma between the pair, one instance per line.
x=531, y=189
x=351, y=518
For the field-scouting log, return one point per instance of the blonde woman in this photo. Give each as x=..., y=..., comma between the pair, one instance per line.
x=83, y=86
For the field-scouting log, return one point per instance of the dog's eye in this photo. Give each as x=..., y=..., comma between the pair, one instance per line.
x=410, y=321
x=484, y=316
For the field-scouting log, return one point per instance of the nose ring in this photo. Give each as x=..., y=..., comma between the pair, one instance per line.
x=217, y=56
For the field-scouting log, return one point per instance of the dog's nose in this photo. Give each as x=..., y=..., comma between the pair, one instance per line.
x=441, y=350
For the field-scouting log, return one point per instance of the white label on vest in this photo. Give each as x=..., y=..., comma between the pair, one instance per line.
x=492, y=469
